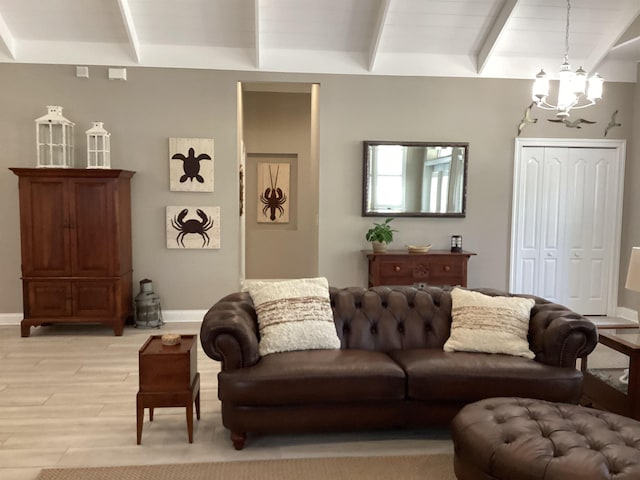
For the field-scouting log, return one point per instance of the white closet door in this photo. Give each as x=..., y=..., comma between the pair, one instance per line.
x=590, y=200
x=567, y=221
x=541, y=214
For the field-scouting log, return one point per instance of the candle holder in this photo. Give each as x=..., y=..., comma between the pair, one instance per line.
x=456, y=243
x=54, y=139
x=98, y=147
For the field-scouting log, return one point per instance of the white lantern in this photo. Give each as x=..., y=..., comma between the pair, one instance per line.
x=54, y=139
x=98, y=147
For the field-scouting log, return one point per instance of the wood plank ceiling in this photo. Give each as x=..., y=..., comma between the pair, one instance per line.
x=470, y=38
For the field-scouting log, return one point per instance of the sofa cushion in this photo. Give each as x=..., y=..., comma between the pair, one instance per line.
x=313, y=377
x=294, y=315
x=482, y=323
x=434, y=375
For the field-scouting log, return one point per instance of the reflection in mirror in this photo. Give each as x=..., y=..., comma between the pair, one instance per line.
x=415, y=179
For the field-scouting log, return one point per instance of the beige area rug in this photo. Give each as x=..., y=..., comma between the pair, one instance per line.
x=409, y=467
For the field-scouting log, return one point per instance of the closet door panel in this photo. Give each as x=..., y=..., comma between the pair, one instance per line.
x=593, y=174
x=528, y=226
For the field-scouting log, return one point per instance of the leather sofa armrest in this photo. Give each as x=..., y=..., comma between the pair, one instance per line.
x=229, y=332
x=559, y=336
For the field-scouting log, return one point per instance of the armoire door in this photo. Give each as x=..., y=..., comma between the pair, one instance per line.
x=565, y=227
x=93, y=238
x=45, y=227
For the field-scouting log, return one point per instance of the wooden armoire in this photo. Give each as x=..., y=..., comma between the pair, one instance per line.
x=75, y=228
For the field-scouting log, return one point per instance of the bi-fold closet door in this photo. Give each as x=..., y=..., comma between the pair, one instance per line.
x=565, y=219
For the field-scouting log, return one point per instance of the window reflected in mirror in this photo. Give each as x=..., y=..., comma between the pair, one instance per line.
x=414, y=179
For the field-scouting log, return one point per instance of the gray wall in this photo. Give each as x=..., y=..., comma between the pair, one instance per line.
x=155, y=104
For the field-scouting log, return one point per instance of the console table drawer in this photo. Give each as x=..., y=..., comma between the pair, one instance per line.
x=450, y=267
x=396, y=268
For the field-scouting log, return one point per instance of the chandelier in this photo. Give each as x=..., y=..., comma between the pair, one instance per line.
x=575, y=91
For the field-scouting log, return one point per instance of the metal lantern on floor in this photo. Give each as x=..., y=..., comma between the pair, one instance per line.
x=98, y=147
x=148, y=313
x=54, y=139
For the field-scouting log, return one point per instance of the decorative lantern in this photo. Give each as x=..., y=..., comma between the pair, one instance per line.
x=98, y=147
x=148, y=313
x=54, y=139
x=456, y=243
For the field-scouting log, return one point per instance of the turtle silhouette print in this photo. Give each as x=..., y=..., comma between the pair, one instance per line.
x=191, y=164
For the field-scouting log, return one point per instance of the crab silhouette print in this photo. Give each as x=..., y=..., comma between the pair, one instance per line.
x=192, y=226
x=191, y=165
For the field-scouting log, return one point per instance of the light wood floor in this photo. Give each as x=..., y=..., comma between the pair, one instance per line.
x=67, y=398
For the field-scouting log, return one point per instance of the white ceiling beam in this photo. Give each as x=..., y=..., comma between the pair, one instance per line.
x=127, y=18
x=381, y=20
x=495, y=32
x=7, y=38
x=628, y=15
x=256, y=27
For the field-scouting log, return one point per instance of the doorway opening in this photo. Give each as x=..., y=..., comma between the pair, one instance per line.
x=279, y=162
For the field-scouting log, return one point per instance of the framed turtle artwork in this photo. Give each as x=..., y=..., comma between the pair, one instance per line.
x=193, y=227
x=273, y=192
x=191, y=164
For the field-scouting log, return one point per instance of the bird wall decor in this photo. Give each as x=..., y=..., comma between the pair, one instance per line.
x=612, y=123
x=526, y=120
x=571, y=124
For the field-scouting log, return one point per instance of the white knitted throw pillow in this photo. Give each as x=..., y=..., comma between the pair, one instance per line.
x=481, y=323
x=294, y=315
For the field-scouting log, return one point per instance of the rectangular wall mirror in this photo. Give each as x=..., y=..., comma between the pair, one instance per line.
x=414, y=179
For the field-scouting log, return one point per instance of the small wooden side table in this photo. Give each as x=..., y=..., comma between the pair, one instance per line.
x=168, y=378
x=603, y=389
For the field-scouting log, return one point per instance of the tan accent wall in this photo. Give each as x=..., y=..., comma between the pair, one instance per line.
x=277, y=129
x=155, y=104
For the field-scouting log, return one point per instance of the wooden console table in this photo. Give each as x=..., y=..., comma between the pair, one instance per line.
x=168, y=378
x=436, y=267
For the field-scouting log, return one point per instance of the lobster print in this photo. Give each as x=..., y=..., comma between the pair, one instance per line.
x=273, y=198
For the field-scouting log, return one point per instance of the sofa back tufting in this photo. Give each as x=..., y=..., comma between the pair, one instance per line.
x=383, y=319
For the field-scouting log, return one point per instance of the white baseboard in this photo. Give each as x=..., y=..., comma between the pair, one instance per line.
x=10, y=318
x=181, y=316
x=170, y=316
x=627, y=314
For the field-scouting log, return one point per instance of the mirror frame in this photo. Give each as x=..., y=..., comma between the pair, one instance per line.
x=366, y=187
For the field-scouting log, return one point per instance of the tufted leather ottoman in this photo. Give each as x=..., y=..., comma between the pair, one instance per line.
x=525, y=439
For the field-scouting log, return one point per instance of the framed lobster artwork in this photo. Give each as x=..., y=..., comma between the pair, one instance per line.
x=191, y=164
x=273, y=192
x=193, y=227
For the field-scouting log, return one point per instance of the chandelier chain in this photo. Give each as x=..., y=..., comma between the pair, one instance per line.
x=566, y=34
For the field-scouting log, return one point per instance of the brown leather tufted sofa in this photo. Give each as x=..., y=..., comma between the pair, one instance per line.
x=390, y=371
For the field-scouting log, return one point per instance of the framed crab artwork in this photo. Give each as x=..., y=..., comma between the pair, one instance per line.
x=191, y=164
x=193, y=227
x=273, y=192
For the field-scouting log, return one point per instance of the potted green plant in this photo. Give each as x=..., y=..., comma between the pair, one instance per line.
x=380, y=235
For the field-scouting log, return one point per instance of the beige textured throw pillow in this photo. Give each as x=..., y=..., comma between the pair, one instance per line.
x=481, y=323
x=294, y=315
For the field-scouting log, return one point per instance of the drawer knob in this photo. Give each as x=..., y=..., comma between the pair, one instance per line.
x=447, y=268
x=397, y=268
